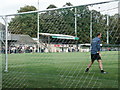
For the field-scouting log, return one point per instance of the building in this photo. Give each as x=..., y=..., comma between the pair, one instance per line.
x=16, y=41
x=20, y=40
x=58, y=42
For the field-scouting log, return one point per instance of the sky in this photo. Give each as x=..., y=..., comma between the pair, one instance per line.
x=11, y=6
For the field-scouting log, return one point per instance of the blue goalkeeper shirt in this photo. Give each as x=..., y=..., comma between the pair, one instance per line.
x=95, y=45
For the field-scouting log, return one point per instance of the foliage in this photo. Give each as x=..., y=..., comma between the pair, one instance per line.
x=62, y=21
x=24, y=24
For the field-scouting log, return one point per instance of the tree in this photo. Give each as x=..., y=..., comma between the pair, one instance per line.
x=62, y=21
x=68, y=4
x=83, y=24
x=26, y=23
x=114, y=29
x=51, y=6
x=54, y=22
x=27, y=8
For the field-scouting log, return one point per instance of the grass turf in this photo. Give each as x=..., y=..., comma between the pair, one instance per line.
x=60, y=70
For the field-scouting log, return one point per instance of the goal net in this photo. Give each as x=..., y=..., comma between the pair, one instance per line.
x=51, y=48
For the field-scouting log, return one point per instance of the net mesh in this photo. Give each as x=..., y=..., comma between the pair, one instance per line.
x=59, y=57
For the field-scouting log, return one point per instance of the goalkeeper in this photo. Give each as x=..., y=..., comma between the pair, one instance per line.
x=95, y=53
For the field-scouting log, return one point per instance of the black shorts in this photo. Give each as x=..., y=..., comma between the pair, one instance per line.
x=95, y=57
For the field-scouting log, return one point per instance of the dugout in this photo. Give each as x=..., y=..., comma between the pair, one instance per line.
x=58, y=42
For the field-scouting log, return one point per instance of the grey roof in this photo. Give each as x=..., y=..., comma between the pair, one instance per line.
x=2, y=27
x=21, y=39
x=17, y=38
x=60, y=36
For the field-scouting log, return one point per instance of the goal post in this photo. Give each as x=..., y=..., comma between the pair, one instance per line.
x=53, y=46
x=4, y=40
x=6, y=45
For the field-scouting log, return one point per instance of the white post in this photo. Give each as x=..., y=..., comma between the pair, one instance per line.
x=76, y=22
x=6, y=44
x=76, y=27
x=91, y=27
x=108, y=29
x=38, y=29
x=119, y=9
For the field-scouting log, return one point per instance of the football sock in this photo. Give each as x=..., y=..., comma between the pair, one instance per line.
x=87, y=69
x=102, y=70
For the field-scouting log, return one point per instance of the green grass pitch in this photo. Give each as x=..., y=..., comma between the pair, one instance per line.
x=60, y=70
